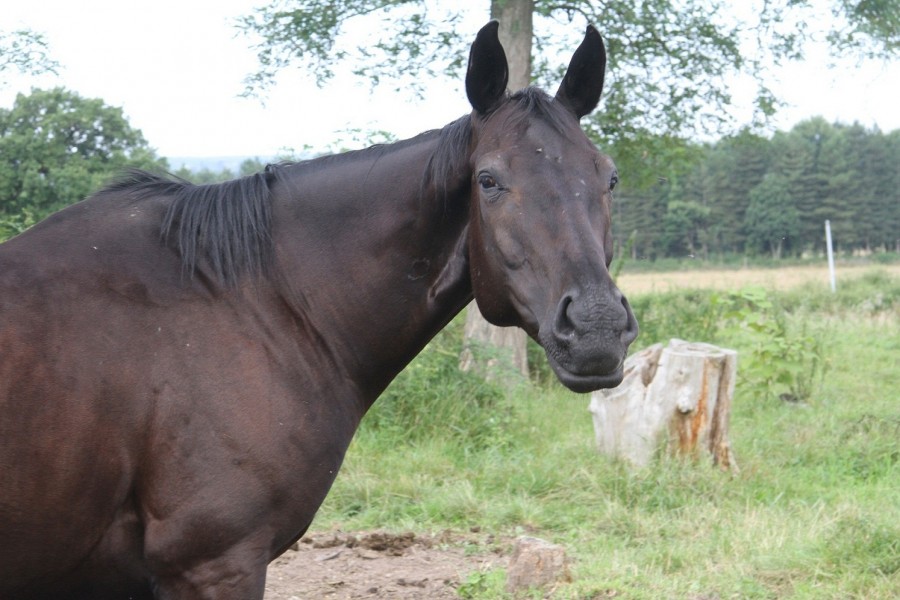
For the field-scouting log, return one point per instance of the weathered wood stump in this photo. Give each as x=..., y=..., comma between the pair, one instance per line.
x=682, y=392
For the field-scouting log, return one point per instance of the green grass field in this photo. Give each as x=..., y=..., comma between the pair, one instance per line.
x=814, y=511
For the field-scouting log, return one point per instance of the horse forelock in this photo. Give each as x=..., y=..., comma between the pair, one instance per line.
x=534, y=103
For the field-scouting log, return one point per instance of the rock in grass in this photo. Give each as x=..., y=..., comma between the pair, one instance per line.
x=536, y=563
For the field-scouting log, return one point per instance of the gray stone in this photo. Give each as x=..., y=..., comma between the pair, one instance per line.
x=536, y=563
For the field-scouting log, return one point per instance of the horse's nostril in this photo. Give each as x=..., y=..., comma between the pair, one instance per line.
x=631, y=327
x=563, y=326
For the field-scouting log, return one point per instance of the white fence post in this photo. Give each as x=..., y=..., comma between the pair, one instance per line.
x=830, y=255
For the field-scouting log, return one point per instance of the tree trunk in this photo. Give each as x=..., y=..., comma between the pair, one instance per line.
x=776, y=248
x=516, y=34
x=682, y=393
x=493, y=351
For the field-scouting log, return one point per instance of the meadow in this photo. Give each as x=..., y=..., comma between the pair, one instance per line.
x=813, y=512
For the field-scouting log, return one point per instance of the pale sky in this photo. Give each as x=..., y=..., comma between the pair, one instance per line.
x=176, y=68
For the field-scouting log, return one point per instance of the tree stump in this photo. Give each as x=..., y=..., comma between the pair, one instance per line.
x=682, y=392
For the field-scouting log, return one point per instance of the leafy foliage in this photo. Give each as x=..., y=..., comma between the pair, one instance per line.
x=669, y=62
x=780, y=362
x=872, y=25
x=26, y=51
x=11, y=225
x=776, y=359
x=309, y=33
x=57, y=147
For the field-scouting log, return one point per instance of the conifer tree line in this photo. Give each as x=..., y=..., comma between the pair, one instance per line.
x=754, y=195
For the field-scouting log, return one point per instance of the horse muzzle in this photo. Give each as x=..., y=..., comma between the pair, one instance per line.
x=587, y=337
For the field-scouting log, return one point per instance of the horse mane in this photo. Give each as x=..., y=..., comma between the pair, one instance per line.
x=229, y=224
x=449, y=158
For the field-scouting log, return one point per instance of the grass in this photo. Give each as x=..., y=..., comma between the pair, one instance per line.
x=813, y=513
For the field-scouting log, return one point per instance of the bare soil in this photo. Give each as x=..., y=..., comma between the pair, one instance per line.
x=404, y=566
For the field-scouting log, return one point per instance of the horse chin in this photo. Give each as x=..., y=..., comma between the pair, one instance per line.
x=584, y=383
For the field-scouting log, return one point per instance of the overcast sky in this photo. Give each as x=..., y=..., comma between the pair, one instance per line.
x=176, y=68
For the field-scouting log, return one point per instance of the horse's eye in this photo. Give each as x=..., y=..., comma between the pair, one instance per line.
x=613, y=181
x=487, y=181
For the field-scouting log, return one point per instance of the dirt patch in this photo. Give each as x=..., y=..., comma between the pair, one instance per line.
x=405, y=566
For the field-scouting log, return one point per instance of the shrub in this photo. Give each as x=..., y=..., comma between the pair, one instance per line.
x=776, y=359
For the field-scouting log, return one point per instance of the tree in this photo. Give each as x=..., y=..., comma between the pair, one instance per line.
x=733, y=166
x=888, y=191
x=57, y=147
x=668, y=60
x=26, y=51
x=809, y=181
x=667, y=170
x=771, y=218
x=872, y=26
x=683, y=226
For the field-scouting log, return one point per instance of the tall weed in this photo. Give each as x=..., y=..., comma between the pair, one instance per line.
x=777, y=358
x=433, y=397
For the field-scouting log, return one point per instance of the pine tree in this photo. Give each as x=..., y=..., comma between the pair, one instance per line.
x=735, y=166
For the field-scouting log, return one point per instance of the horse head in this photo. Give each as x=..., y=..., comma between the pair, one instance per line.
x=539, y=240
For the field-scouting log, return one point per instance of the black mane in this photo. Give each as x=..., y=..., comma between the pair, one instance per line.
x=229, y=225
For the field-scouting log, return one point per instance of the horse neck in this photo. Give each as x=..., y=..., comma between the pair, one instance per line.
x=371, y=259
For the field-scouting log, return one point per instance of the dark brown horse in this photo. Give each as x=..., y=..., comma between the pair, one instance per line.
x=182, y=367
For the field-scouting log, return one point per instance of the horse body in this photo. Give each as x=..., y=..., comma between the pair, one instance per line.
x=170, y=419
x=173, y=413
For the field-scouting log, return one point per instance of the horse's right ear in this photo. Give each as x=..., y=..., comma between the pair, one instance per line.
x=488, y=71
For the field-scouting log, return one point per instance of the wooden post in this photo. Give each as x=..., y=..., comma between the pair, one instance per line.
x=681, y=392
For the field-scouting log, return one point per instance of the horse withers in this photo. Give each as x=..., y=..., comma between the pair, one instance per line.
x=183, y=367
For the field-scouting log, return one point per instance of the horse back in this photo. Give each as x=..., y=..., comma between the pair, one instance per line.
x=135, y=399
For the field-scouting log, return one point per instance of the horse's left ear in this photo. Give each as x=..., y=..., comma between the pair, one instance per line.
x=488, y=71
x=581, y=87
